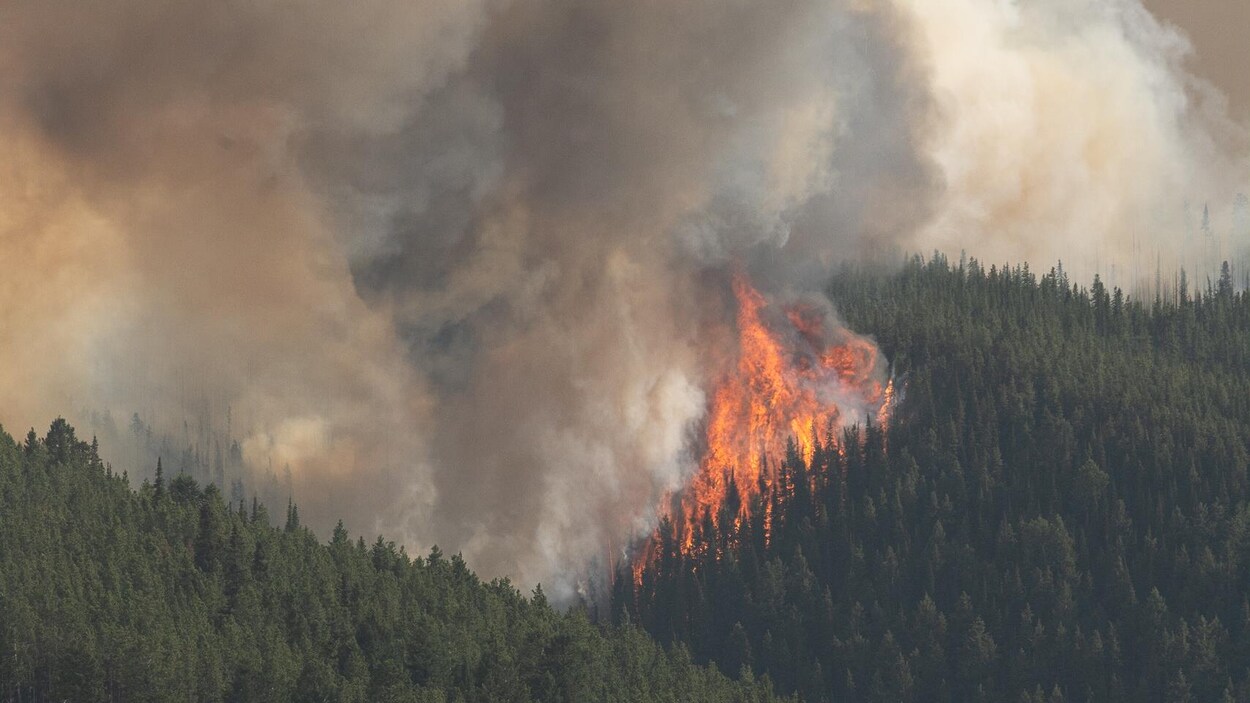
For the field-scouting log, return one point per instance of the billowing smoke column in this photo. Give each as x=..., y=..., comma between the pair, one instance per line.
x=463, y=266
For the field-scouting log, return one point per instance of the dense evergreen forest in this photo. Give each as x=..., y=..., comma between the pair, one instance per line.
x=169, y=593
x=1058, y=511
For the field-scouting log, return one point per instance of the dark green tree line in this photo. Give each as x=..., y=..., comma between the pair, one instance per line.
x=170, y=593
x=1058, y=510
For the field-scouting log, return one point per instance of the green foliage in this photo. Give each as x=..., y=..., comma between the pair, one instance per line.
x=170, y=594
x=1059, y=509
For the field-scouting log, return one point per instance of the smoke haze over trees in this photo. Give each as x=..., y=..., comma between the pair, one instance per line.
x=1058, y=510
x=172, y=593
x=462, y=266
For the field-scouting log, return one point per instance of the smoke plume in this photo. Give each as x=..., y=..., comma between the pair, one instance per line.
x=462, y=266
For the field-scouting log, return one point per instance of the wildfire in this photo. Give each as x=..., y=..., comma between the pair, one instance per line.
x=796, y=377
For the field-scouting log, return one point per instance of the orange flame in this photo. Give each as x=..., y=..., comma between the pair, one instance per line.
x=791, y=373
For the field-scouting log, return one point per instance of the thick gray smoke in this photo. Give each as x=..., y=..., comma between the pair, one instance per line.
x=460, y=265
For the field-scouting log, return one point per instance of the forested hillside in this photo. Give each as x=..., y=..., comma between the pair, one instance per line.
x=171, y=594
x=1057, y=510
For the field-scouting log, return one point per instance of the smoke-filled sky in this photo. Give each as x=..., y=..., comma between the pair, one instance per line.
x=1218, y=31
x=462, y=265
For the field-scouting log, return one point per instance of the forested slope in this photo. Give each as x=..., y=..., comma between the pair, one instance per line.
x=1057, y=510
x=169, y=594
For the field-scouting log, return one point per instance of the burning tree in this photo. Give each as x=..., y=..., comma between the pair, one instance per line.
x=800, y=381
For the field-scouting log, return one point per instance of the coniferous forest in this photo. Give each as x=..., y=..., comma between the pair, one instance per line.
x=172, y=594
x=1058, y=510
x=629, y=308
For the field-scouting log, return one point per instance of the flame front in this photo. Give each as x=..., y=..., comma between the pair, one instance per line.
x=796, y=377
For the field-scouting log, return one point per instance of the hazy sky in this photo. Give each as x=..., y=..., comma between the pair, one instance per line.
x=1220, y=31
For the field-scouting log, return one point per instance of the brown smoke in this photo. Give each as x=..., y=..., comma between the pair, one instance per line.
x=1218, y=32
x=460, y=265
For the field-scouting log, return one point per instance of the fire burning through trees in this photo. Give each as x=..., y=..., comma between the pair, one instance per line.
x=800, y=380
x=450, y=260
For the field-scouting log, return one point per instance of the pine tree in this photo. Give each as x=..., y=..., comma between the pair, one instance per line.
x=158, y=486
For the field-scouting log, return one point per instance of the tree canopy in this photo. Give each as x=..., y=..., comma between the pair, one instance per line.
x=169, y=593
x=1058, y=510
